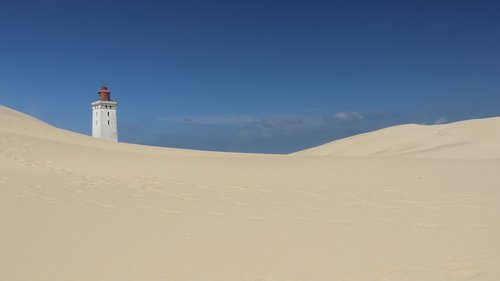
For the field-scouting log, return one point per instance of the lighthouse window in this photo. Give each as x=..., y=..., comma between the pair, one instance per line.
x=108, y=122
x=108, y=113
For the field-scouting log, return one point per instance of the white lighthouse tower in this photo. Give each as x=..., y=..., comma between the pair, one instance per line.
x=104, y=116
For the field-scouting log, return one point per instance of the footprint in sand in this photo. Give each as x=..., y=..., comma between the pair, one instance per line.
x=407, y=202
x=236, y=188
x=237, y=203
x=216, y=214
x=31, y=194
x=315, y=195
x=432, y=226
x=388, y=272
x=359, y=202
x=147, y=207
x=309, y=208
x=271, y=279
x=170, y=212
x=105, y=206
x=185, y=197
x=50, y=199
x=300, y=218
x=4, y=179
x=337, y=222
x=255, y=218
x=94, y=203
x=58, y=170
x=389, y=190
x=276, y=203
x=459, y=271
x=430, y=207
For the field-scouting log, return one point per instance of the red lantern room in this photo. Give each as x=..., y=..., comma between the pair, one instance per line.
x=104, y=94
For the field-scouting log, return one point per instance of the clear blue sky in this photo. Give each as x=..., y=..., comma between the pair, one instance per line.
x=252, y=76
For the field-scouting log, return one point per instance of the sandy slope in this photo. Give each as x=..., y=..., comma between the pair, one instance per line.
x=471, y=139
x=77, y=208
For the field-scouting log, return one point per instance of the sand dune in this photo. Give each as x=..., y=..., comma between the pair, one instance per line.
x=471, y=139
x=77, y=208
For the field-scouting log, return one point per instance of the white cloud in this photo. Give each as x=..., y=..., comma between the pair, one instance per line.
x=225, y=120
x=440, y=120
x=348, y=116
x=264, y=120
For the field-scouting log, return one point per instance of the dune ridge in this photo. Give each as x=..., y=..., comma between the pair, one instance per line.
x=470, y=139
x=393, y=205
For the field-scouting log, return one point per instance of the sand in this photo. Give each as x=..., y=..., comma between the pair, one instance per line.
x=404, y=203
x=470, y=139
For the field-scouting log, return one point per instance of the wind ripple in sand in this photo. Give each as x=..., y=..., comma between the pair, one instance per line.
x=77, y=208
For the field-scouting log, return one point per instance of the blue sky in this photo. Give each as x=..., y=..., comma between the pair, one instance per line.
x=251, y=76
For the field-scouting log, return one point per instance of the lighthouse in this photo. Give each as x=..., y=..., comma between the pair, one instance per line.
x=104, y=116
